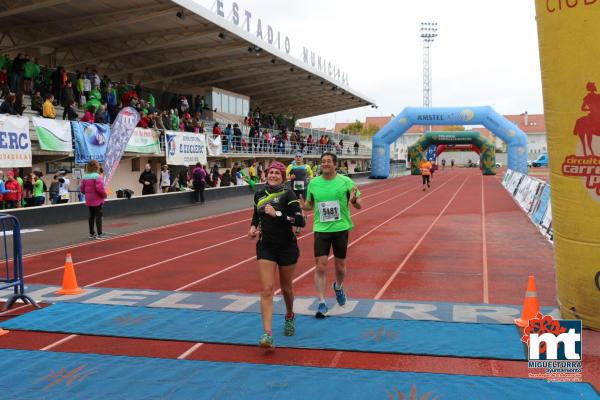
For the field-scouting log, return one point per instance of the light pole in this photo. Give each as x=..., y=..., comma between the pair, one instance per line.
x=428, y=35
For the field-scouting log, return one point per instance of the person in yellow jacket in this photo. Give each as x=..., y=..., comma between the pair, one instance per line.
x=48, y=108
x=426, y=173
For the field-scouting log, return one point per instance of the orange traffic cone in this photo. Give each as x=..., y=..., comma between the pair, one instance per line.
x=531, y=306
x=69, y=285
x=3, y=331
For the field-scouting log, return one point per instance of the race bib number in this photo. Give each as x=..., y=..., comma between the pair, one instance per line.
x=298, y=185
x=329, y=211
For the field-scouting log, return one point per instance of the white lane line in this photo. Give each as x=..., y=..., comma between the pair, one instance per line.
x=486, y=293
x=162, y=227
x=13, y=309
x=254, y=256
x=336, y=359
x=245, y=220
x=138, y=247
x=58, y=342
x=414, y=248
x=72, y=246
x=189, y=351
x=278, y=291
x=9, y=233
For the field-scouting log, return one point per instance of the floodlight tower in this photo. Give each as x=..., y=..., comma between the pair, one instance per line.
x=428, y=35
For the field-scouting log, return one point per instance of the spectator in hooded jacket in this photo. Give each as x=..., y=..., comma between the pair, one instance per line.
x=92, y=186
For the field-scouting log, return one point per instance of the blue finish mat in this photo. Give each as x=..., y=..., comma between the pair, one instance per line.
x=351, y=334
x=48, y=375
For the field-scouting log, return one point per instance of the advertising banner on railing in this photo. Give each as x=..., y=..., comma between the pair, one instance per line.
x=144, y=141
x=122, y=129
x=542, y=206
x=53, y=134
x=90, y=141
x=185, y=148
x=15, y=143
x=215, y=146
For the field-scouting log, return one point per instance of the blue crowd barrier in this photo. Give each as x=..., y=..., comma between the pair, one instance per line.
x=13, y=277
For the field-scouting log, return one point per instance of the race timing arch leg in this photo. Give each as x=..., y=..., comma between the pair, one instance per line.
x=570, y=62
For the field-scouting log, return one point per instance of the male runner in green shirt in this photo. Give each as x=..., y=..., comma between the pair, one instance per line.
x=329, y=195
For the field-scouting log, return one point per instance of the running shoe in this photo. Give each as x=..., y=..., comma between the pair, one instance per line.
x=92, y=236
x=340, y=296
x=288, y=327
x=322, y=311
x=101, y=236
x=266, y=341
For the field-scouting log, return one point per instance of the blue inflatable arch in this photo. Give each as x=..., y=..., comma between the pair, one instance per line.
x=515, y=139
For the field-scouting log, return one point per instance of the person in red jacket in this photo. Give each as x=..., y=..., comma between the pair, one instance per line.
x=14, y=195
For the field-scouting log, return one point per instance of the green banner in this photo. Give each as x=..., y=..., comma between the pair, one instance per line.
x=53, y=134
x=144, y=141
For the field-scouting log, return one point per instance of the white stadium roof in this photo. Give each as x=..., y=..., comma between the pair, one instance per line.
x=176, y=46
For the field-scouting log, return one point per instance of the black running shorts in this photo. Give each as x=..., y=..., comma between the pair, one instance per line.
x=425, y=179
x=282, y=255
x=324, y=241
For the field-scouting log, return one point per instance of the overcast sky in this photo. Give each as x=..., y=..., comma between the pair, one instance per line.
x=486, y=52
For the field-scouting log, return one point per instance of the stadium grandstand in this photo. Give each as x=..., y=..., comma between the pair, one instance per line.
x=184, y=67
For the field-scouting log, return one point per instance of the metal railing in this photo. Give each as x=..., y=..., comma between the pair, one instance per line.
x=259, y=145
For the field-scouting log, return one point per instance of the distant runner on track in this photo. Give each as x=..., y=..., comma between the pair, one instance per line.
x=426, y=173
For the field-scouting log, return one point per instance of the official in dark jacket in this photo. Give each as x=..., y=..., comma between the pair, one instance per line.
x=148, y=180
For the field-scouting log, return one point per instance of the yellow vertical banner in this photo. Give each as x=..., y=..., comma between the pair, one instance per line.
x=569, y=41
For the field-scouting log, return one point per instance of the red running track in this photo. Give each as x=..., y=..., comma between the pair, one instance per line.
x=464, y=240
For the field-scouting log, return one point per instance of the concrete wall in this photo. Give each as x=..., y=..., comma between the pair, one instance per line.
x=55, y=214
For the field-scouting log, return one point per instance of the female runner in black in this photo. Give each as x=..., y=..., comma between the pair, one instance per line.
x=276, y=211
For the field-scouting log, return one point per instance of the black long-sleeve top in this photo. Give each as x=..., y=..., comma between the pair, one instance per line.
x=277, y=230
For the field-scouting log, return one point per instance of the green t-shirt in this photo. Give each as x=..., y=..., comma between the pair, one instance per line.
x=38, y=188
x=31, y=70
x=5, y=63
x=331, y=197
